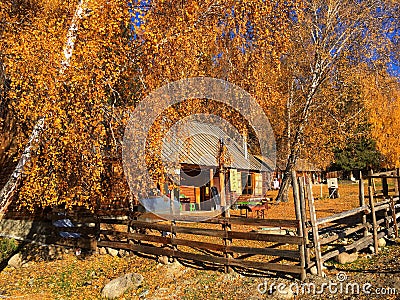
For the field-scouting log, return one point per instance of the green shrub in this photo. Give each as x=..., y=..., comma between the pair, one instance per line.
x=7, y=246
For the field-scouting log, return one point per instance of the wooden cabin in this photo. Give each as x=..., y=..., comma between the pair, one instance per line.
x=199, y=157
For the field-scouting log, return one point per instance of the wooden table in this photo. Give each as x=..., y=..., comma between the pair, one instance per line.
x=253, y=206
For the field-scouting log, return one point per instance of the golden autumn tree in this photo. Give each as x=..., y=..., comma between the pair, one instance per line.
x=15, y=15
x=383, y=103
x=238, y=41
x=74, y=62
x=298, y=59
x=69, y=68
x=330, y=40
x=224, y=40
x=7, y=124
x=72, y=67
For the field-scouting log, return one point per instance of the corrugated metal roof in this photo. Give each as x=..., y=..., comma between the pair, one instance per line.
x=199, y=143
x=266, y=162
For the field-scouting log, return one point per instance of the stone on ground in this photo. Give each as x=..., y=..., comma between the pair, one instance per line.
x=381, y=242
x=113, y=252
x=344, y=258
x=16, y=261
x=118, y=286
x=102, y=251
x=163, y=260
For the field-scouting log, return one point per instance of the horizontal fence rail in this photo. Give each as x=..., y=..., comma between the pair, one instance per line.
x=217, y=246
x=358, y=228
x=273, y=245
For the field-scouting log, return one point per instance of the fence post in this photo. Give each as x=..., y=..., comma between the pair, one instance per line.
x=371, y=181
x=393, y=208
x=173, y=237
x=226, y=226
x=361, y=194
x=385, y=187
x=304, y=220
x=373, y=215
x=385, y=192
x=386, y=216
x=130, y=230
x=97, y=231
x=300, y=226
x=398, y=182
x=313, y=219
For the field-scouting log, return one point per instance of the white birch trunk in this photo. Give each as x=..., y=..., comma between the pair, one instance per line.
x=11, y=185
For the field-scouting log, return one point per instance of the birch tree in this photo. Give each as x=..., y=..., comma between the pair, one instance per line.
x=330, y=40
x=10, y=186
x=65, y=70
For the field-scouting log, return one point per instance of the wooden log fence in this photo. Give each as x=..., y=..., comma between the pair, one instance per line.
x=218, y=242
x=183, y=240
x=361, y=227
x=234, y=242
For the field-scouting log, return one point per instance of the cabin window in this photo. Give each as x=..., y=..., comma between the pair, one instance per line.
x=247, y=183
x=258, y=184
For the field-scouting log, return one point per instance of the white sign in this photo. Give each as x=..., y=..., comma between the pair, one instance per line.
x=332, y=183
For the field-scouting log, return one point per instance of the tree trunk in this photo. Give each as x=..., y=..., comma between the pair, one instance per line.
x=11, y=185
x=9, y=188
x=283, y=194
x=319, y=75
x=296, y=145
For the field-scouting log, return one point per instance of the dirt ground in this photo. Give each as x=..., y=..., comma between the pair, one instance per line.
x=324, y=206
x=82, y=277
x=71, y=276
